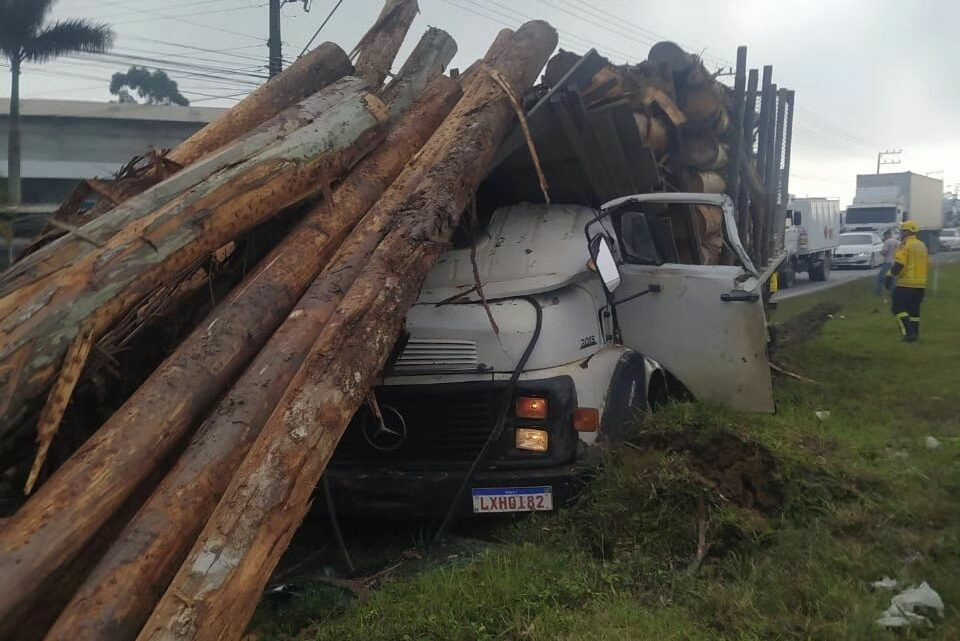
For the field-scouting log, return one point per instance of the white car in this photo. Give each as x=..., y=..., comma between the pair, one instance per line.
x=858, y=249
x=950, y=239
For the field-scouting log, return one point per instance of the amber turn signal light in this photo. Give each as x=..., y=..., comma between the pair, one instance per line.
x=529, y=407
x=586, y=419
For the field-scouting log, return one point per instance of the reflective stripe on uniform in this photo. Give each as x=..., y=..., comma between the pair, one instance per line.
x=901, y=317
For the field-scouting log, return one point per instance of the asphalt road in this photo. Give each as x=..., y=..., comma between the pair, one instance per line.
x=803, y=285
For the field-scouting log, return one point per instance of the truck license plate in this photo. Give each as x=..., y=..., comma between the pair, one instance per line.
x=512, y=499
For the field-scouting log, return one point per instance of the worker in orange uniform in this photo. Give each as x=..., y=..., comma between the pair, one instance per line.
x=910, y=268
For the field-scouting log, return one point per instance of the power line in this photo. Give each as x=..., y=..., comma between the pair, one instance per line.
x=197, y=13
x=623, y=22
x=322, y=25
x=169, y=64
x=189, y=22
x=127, y=12
x=195, y=48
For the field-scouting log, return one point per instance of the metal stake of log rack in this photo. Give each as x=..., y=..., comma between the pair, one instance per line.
x=749, y=117
x=739, y=87
x=763, y=132
x=776, y=221
x=788, y=139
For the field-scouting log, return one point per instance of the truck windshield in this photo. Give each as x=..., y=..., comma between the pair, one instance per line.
x=856, y=239
x=862, y=215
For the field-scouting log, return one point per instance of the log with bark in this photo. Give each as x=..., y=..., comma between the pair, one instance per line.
x=114, y=278
x=117, y=598
x=308, y=75
x=86, y=300
x=379, y=46
x=66, y=252
x=214, y=593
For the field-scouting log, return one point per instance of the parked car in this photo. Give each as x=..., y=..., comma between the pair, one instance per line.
x=859, y=249
x=950, y=239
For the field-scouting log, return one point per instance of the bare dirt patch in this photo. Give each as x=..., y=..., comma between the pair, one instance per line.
x=744, y=473
x=805, y=326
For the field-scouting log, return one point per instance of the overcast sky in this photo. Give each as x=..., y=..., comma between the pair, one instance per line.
x=868, y=74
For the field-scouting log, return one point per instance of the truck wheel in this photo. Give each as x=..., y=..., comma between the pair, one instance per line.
x=822, y=271
x=626, y=398
x=788, y=274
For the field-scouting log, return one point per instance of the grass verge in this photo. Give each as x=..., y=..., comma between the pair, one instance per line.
x=714, y=525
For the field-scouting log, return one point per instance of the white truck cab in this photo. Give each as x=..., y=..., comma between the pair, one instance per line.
x=583, y=328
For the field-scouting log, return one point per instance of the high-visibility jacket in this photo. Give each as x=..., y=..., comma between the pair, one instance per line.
x=911, y=263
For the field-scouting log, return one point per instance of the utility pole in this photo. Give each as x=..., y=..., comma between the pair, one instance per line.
x=274, y=43
x=887, y=152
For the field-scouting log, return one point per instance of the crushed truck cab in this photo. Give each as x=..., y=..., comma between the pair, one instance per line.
x=571, y=359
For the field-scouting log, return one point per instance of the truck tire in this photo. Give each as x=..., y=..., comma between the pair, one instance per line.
x=788, y=274
x=626, y=398
x=822, y=271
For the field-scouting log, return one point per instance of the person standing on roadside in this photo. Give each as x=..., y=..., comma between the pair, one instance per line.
x=888, y=253
x=910, y=268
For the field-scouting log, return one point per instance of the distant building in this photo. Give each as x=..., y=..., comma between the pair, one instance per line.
x=66, y=140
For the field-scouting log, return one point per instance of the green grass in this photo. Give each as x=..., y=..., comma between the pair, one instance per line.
x=858, y=496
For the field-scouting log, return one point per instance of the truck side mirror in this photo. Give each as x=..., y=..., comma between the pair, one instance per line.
x=606, y=264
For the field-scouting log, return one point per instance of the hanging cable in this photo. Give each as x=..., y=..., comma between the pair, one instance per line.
x=322, y=25
x=497, y=431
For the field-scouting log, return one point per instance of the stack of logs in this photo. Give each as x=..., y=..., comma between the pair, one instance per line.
x=707, y=137
x=168, y=521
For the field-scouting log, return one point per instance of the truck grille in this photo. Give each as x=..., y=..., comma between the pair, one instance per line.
x=442, y=427
x=432, y=354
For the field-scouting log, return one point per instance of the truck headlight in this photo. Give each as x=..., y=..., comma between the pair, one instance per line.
x=533, y=440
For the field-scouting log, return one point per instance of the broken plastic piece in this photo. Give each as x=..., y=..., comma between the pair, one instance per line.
x=903, y=610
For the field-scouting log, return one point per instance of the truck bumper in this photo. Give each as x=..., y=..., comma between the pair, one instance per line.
x=394, y=493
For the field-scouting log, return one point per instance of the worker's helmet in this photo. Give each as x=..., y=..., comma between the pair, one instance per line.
x=910, y=226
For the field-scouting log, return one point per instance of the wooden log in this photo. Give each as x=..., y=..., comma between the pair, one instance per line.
x=702, y=105
x=429, y=59
x=217, y=588
x=309, y=74
x=119, y=595
x=703, y=151
x=379, y=46
x=709, y=221
x=110, y=281
x=653, y=132
x=707, y=182
x=122, y=274
x=65, y=252
x=671, y=55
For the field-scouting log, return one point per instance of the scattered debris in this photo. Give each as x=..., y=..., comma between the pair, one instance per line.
x=911, y=606
x=886, y=583
x=780, y=370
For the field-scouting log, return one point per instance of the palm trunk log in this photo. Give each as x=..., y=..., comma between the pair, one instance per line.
x=216, y=590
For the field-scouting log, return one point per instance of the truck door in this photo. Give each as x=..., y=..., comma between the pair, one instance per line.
x=697, y=321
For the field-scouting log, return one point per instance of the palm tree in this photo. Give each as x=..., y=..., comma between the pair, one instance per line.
x=26, y=37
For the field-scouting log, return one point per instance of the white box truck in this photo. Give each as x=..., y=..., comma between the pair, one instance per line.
x=885, y=201
x=812, y=234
